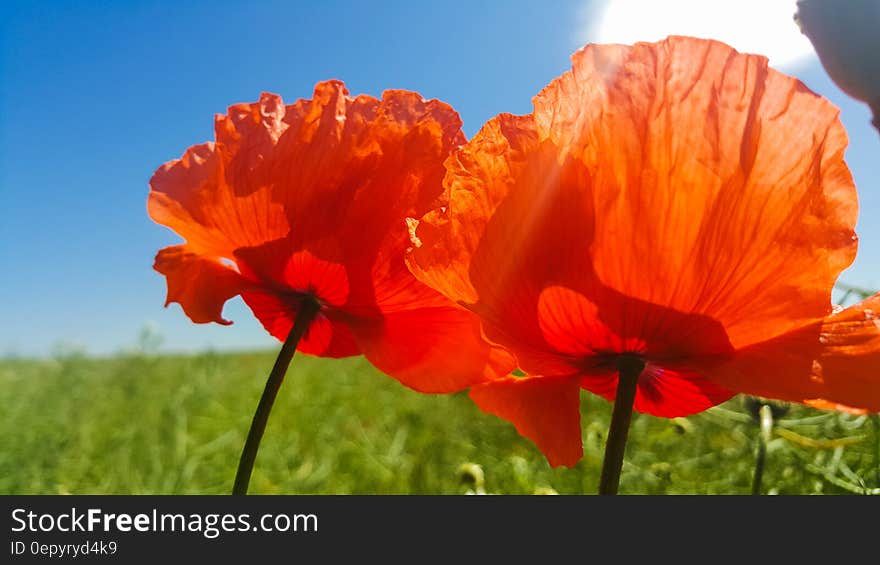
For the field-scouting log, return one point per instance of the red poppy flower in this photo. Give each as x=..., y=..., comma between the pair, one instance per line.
x=307, y=202
x=677, y=202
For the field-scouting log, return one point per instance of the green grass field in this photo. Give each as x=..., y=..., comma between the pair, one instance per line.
x=175, y=424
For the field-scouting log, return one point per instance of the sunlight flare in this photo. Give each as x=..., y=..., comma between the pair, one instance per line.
x=750, y=26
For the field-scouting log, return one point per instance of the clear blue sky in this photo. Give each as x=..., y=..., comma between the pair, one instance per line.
x=96, y=95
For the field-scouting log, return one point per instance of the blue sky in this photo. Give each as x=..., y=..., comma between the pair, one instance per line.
x=96, y=95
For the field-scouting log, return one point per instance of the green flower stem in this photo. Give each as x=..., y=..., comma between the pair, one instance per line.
x=629, y=368
x=766, y=417
x=875, y=419
x=307, y=312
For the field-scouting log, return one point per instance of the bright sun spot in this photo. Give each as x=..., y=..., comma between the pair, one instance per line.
x=751, y=26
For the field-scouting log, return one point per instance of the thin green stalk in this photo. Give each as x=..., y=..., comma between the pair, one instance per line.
x=629, y=367
x=875, y=419
x=304, y=317
x=766, y=418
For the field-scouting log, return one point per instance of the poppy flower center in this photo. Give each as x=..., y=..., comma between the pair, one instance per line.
x=629, y=363
x=626, y=332
x=298, y=299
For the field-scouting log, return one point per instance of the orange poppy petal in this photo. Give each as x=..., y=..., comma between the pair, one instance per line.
x=661, y=181
x=586, y=329
x=352, y=169
x=212, y=196
x=311, y=199
x=835, y=362
x=390, y=287
x=480, y=176
x=200, y=285
x=433, y=350
x=849, y=363
x=516, y=219
x=721, y=182
x=664, y=392
x=825, y=405
x=332, y=167
x=545, y=410
x=287, y=270
x=326, y=336
x=588, y=339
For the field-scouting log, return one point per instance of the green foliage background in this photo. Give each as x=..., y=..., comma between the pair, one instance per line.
x=140, y=423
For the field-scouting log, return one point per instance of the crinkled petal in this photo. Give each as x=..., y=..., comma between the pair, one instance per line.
x=218, y=196
x=663, y=182
x=352, y=169
x=545, y=410
x=515, y=222
x=434, y=350
x=503, y=159
x=721, y=182
x=200, y=285
x=835, y=362
x=312, y=199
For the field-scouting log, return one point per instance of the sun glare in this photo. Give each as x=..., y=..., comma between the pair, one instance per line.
x=766, y=27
